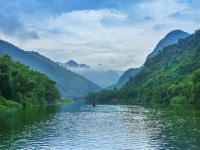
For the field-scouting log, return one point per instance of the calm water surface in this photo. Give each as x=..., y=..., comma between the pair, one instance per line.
x=104, y=127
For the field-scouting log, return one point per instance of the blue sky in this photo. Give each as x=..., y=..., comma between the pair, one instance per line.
x=119, y=34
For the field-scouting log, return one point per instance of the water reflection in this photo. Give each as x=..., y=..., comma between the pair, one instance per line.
x=103, y=127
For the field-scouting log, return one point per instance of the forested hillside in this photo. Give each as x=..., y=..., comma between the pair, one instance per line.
x=172, y=76
x=20, y=86
x=125, y=77
x=171, y=38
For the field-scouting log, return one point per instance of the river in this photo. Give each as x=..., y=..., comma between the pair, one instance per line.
x=104, y=127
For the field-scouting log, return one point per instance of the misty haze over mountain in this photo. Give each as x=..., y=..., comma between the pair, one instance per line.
x=97, y=74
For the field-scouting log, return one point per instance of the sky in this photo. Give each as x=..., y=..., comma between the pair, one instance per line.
x=118, y=34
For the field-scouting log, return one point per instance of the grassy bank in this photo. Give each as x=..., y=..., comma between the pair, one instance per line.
x=10, y=104
x=63, y=102
x=4, y=104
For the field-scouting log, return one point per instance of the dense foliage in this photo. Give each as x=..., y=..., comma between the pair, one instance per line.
x=173, y=76
x=20, y=85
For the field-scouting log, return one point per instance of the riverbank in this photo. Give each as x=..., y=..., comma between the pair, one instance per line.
x=10, y=104
x=64, y=102
x=5, y=104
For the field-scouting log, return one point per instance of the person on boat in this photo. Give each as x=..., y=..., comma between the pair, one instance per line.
x=93, y=104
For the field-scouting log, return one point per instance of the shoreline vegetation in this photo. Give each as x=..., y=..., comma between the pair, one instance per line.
x=10, y=104
x=63, y=102
x=22, y=87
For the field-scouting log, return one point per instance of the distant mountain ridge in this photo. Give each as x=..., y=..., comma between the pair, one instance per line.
x=171, y=38
x=71, y=85
x=72, y=63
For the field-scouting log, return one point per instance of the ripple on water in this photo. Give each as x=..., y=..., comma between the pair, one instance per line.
x=106, y=127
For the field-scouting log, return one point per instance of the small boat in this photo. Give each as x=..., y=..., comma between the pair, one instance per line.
x=93, y=104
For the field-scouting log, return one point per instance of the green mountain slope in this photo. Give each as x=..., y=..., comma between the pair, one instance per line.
x=171, y=38
x=125, y=77
x=20, y=85
x=172, y=76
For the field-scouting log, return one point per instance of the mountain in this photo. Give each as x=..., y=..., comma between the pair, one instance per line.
x=71, y=85
x=169, y=39
x=172, y=76
x=125, y=77
x=72, y=63
x=100, y=76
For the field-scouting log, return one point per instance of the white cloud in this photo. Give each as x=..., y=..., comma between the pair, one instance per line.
x=117, y=39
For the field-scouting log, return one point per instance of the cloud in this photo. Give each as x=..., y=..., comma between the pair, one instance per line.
x=117, y=33
x=187, y=14
x=158, y=27
x=148, y=18
x=176, y=15
x=115, y=45
x=12, y=27
x=114, y=19
x=56, y=7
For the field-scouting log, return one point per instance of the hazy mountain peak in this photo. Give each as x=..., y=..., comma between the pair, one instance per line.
x=74, y=64
x=71, y=62
x=179, y=34
x=171, y=38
